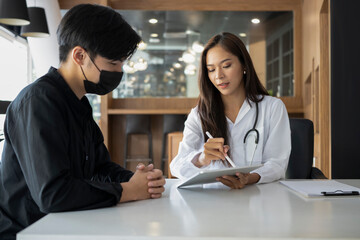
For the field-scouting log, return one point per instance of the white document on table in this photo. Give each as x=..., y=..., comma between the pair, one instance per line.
x=317, y=188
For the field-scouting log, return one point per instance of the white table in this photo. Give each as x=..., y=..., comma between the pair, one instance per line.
x=265, y=211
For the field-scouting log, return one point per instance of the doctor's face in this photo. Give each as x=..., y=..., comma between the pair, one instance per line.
x=224, y=70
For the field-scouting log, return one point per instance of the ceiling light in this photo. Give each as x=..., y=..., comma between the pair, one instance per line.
x=174, y=35
x=141, y=64
x=154, y=40
x=188, y=57
x=242, y=34
x=142, y=45
x=154, y=35
x=168, y=74
x=129, y=67
x=255, y=20
x=177, y=65
x=197, y=47
x=190, y=69
x=38, y=25
x=156, y=61
x=153, y=21
x=14, y=12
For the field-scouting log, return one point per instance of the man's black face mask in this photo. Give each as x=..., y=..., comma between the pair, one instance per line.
x=108, y=81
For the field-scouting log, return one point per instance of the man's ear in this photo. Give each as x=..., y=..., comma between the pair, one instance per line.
x=78, y=55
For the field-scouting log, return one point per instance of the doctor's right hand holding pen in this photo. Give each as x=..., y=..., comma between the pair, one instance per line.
x=215, y=150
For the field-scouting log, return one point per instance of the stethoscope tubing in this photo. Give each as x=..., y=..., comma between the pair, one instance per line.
x=254, y=127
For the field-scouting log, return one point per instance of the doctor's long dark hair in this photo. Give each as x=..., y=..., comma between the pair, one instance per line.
x=210, y=104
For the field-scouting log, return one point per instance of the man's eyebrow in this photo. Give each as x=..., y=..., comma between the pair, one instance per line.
x=227, y=59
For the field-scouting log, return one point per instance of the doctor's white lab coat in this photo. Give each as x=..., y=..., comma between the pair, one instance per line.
x=273, y=149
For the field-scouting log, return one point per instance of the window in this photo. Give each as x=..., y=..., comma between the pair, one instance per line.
x=15, y=65
x=15, y=69
x=279, y=62
x=94, y=101
x=167, y=62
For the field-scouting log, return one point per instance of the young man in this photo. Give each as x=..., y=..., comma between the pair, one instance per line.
x=54, y=158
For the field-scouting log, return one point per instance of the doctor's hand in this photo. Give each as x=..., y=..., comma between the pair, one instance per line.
x=214, y=149
x=146, y=182
x=240, y=180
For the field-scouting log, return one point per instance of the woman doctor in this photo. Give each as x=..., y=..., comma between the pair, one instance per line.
x=249, y=126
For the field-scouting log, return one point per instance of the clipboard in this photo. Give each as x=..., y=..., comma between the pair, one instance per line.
x=209, y=176
x=320, y=188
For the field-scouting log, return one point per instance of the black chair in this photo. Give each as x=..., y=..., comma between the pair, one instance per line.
x=171, y=123
x=3, y=106
x=302, y=151
x=138, y=124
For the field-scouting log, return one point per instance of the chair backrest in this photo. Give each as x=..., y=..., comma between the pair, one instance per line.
x=302, y=149
x=173, y=123
x=138, y=124
x=3, y=106
x=174, y=139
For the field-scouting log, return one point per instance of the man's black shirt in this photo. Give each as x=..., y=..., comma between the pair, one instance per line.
x=54, y=158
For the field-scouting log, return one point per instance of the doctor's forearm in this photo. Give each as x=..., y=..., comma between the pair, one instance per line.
x=200, y=160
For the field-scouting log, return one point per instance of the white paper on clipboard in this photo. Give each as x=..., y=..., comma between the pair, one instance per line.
x=314, y=188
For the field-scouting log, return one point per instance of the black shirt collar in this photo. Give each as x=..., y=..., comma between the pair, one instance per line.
x=82, y=106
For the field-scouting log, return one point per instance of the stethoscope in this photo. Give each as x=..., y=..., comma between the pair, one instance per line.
x=249, y=144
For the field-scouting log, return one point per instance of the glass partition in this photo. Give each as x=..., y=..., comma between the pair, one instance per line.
x=166, y=63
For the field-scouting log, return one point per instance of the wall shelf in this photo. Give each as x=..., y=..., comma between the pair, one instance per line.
x=148, y=111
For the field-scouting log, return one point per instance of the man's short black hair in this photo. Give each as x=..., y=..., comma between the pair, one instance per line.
x=99, y=30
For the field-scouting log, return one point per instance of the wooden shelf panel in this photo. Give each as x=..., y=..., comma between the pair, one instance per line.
x=295, y=110
x=147, y=111
x=169, y=111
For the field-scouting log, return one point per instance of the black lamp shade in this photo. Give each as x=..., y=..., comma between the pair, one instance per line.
x=38, y=25
x=14, y=12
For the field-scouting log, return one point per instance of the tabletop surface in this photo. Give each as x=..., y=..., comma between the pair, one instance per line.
x=261, y=211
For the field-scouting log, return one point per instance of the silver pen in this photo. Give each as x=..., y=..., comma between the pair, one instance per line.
x=227, y=157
